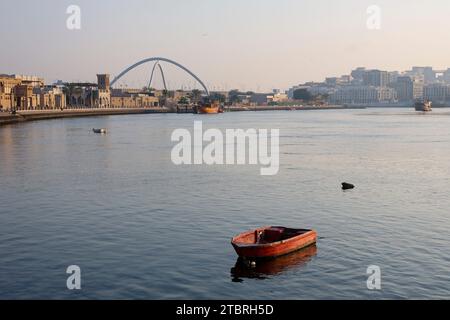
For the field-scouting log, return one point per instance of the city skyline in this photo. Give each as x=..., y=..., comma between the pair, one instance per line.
x=268, y=45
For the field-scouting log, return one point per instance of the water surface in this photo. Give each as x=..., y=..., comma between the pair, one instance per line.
x=142, y=228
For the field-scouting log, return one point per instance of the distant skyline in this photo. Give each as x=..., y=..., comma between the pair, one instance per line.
x=248, y=45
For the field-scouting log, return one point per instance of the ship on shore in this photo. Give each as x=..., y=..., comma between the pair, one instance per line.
x=423, y=106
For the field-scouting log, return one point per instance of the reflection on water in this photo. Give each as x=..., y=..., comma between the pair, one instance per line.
x=265, y=268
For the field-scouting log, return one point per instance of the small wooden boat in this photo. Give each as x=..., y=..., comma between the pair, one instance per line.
x=101, y=131
x=270, y=242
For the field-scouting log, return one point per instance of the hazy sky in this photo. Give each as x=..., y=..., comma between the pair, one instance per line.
x=245, y=44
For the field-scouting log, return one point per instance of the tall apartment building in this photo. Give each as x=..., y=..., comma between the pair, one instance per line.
x=428, y=74
x=358, y=75
x=407, y=89
x=376, y=78
x=446, y=76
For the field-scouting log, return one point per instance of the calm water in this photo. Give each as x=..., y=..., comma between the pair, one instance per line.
x=141, y=228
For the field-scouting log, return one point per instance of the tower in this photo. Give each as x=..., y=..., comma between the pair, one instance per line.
x=103, y=81
x=104, y=94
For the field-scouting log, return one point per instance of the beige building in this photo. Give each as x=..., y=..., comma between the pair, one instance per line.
x=25, y=99
x=18, y=92
x=129, y=100
x=7, y=84
x=278, y=97
x=104, y=93
x=29, y=80
x=81, y=96
x=51, y=97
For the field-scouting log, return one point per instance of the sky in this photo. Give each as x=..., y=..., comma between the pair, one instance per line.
x=254, y=45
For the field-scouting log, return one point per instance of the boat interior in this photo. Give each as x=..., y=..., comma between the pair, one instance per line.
x=270, y=235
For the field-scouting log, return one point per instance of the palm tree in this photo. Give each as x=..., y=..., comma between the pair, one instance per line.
x=183, y=100
x=196, y=94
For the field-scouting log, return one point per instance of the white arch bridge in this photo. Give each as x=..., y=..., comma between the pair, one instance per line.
x=157, y=61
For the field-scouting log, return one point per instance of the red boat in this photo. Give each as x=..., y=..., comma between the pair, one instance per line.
x=270, y=242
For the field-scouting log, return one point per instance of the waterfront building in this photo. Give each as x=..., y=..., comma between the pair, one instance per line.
x=321, y=90
x=103, y=97
x=81, y=95
x=7, y=99
x=408, y=89
x=133, y=100
x=89, y=95
x=437, y=93
x=25, y=98
x=363, y=95
x=277, y=97
x=51, y=97
x=21, y=92
x=291, y=90
x=260, y=99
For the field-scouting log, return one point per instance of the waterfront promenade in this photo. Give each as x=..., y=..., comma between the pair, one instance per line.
x=31, y=115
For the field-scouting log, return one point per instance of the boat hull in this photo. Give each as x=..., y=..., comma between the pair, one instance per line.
x=208, y=110
x=247, y=246
x=423, y=106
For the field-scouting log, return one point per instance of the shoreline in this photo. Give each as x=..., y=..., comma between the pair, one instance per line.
x=34, y=115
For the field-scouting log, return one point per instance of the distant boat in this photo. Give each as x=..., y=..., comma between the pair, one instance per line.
x=100, y=131
x=270, y=242
x=424, y=106
x=207, y=107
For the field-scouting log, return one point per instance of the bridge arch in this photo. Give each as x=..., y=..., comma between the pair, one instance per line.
x=137, y=64
x=157, y=64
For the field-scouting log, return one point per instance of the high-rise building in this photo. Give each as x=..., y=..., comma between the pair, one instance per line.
x=358, y=74
x=429, y=75
x=446, y=76
x=407, y=89
x=376, y=78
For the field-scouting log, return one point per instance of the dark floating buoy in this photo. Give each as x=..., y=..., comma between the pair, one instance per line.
x=347, y=186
